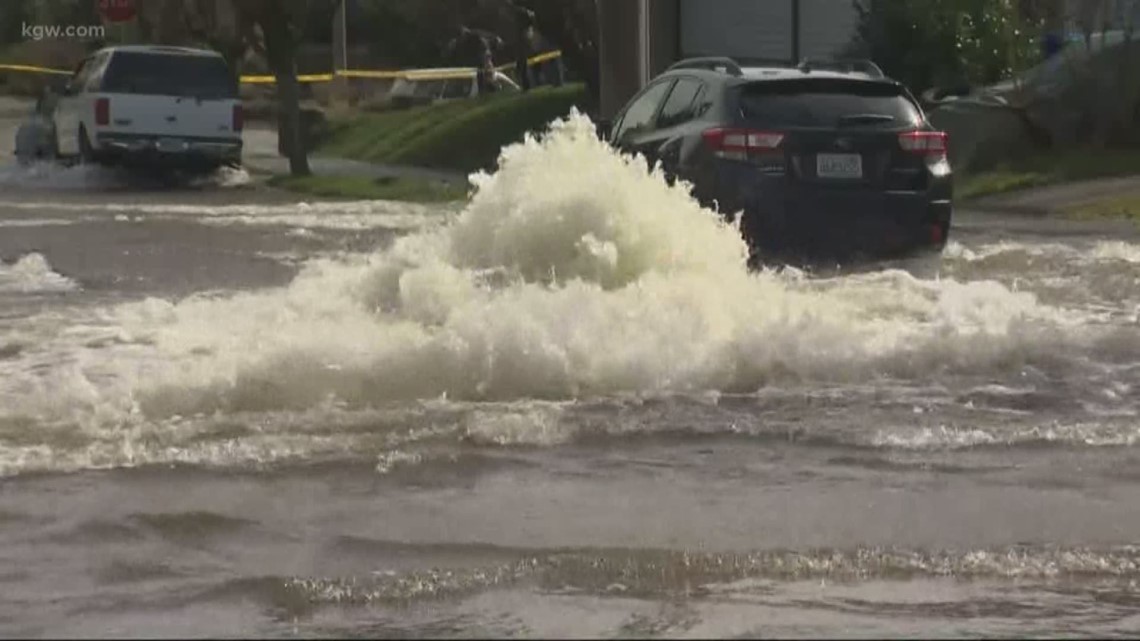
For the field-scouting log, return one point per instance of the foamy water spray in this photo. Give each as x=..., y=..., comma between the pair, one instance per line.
x=51, y=176
x=32, y=274
x=567, y=208
x=572, y=272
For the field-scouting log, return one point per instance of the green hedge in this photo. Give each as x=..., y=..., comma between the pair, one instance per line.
x=461, y=135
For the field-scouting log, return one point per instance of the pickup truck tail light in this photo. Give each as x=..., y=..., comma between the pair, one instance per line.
x=103, y=111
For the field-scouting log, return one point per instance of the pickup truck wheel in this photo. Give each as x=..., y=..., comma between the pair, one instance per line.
x=65, y=160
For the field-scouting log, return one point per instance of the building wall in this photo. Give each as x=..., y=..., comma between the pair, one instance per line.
x=826, y=26
x=619, y=49
x=742, y=29
x=748, y=30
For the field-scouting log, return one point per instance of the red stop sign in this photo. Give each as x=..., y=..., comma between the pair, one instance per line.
x=116, y=10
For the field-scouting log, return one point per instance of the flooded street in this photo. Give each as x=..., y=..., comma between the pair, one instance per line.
x=564, y=409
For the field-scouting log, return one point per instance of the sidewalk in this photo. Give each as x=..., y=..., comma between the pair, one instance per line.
x=1053, y=199
x=260, y=156
x=15, y=107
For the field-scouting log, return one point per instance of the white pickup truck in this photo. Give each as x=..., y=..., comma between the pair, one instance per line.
x=152, y=106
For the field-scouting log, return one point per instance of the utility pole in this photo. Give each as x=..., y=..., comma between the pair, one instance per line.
x=621, y=54
x=340, y=36
x=644, y=42
x=340, y=86
x=795, y=31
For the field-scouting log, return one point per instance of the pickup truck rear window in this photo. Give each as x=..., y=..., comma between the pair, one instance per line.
x=163, y=74
x=826, y=103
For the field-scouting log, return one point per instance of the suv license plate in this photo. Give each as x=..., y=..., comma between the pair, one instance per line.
x=175, y=145
x=839, y=166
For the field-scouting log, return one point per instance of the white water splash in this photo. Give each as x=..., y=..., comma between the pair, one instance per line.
x=52, y=176
x=359, y=215
x=32, y=274
x=573, y=272
x=1104, y=250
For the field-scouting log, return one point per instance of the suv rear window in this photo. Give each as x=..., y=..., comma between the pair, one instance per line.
x=165, y=74
x=824, y=103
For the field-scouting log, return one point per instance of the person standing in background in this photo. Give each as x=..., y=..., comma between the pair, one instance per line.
x=485, y=77
x=475, y=47
x=526, y=43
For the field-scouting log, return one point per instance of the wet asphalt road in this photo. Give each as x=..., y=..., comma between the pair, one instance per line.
x=227, y=412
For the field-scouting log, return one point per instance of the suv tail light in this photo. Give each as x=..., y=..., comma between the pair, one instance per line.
x=103, y=111
x=238, y=119
x=741, y=144
x=928, y=143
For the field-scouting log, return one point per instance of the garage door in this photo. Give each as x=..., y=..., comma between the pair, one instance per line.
x=826, y=27
x=743, y=29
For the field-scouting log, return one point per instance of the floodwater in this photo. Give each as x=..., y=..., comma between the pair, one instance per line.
x=564, y=409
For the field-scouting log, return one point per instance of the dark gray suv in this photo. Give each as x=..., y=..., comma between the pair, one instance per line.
x=826, y=160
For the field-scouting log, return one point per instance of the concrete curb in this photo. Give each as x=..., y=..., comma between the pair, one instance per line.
x=1025, y=211
x=323, y=166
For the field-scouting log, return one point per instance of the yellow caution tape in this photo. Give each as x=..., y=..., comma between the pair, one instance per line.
x=427, y=74
x=31, y=69
x=410, y=74
x=544, y=57
x=307, y=77
x=439, y=74
x=361, y=73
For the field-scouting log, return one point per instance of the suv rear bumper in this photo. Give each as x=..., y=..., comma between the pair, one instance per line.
x=163, y=150
x=873, y=226
x=785, y=219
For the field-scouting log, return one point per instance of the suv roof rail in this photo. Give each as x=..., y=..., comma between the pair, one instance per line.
x=842, y=65
x=717, y=63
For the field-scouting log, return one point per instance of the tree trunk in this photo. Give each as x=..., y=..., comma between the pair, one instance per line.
x=214, y=23
x=170, y=26
x=281, y=51
x=1128, y=105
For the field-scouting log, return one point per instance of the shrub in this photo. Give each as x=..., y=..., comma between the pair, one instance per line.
x=928, y=43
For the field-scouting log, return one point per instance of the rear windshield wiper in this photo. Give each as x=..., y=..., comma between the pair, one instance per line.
x=858, y=119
